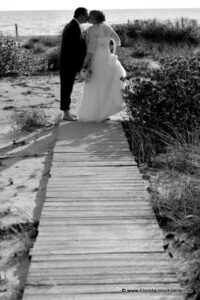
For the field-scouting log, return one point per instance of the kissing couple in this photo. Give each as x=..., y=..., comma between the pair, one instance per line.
x=91, y=55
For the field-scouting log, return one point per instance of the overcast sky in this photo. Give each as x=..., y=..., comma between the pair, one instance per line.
x=91, y=4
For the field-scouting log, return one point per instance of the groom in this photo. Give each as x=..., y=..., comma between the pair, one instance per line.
x=72, y=54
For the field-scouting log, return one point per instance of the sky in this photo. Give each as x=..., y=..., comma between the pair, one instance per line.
x=91, y=4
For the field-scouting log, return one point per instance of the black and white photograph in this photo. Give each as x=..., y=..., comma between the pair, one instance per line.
x=100, y=150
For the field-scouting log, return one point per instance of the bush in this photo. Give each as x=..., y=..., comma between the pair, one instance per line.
x=30, y=119
x=50, y=41
x=166, y=95
x=38, y=48
x=14, y=60
x=52, y=56
x=173, y=32
x=43, y=41
x=29, y=45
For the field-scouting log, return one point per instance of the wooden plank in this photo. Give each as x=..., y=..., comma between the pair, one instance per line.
x=110, y=169
x=104, y=264
x=94, y=195
x=105, y=296
x=95, y=289
x=101, y=155
x=73, y=272
x=95, y=207
x=98, y=246
x=98, y=221
x=91, y=183
x=63, y=197
x=64, y=237
x=101, y=233
x=96, y=213
x=94, y=163
x=115, y=185
x=90, y=202
x=99, y=228
x=102, y=279
x=99, y=188
x=97, y=151
x=98, y=180
x=101, y=258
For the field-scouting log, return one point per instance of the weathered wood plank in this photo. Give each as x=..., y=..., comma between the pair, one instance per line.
x=97, y=213
x=87, y=194
x=94, y=163
x=103, y=279
x=70, y=272
x=100, y=234
x=94, y=208
x=103, y=288
x=63, y=197
x=104, y=264
x=90, y=202
x=105, y=296
x=98, y=246
x=101, y=258
x=98, y=221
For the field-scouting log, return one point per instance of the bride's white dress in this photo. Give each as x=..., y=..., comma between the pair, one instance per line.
x=102, y=93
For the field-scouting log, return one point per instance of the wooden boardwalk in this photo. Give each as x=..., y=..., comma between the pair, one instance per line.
x=97, y=234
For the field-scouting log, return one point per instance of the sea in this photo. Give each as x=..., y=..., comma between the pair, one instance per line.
x=45, y=22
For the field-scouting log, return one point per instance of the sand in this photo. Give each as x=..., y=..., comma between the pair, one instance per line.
x=24, y=172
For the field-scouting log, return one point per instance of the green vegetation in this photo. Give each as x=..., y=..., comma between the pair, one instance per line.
x=14, y=60
x=163, y=130
x=172, y=32
x=49, y=46
x=151, y=39
x=31, y=119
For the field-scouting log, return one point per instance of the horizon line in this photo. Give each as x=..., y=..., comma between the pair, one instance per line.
x=63, y=9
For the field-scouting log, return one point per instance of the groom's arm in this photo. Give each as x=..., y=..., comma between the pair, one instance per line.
x=70, y=41
x=90, y=47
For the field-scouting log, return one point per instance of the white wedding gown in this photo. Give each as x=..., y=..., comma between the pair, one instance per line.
x=102, y=93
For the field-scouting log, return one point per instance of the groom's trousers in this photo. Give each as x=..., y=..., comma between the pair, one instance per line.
x=67, y=79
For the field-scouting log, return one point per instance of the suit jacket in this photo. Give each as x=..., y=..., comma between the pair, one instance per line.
x=73, y=48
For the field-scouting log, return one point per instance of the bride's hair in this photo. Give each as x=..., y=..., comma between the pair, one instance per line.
x=98, y=15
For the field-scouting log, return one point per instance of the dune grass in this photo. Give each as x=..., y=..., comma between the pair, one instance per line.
x=30, y=119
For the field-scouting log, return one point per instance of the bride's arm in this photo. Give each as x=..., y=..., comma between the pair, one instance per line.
x=87, y=60
x=91, y=45
x=116, y=40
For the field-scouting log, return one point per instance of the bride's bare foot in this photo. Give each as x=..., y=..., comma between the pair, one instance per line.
x=68, y=116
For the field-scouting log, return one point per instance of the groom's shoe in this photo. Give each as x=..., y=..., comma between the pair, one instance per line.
x=69, y=117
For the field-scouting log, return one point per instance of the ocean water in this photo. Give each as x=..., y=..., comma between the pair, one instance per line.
x=52, y=22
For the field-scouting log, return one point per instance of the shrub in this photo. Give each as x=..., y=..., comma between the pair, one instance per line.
x=14, y=60
x=30, y=119
x=38, y=48
x=173, y=32
x=50, y=41
x=52, y=56
x=29, y=44
x=181, y=207
x=45, y=41
x=166, y=95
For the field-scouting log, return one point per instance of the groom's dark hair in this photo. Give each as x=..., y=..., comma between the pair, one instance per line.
x=80, y=11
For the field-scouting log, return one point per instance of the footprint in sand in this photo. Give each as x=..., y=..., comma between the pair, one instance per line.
x=8, y=107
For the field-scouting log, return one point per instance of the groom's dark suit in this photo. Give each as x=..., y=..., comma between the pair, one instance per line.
x=72, y=54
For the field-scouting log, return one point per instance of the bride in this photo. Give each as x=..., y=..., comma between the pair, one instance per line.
x=102, y=92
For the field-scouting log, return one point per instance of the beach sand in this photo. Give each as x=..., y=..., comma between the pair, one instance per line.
x=24, y=172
